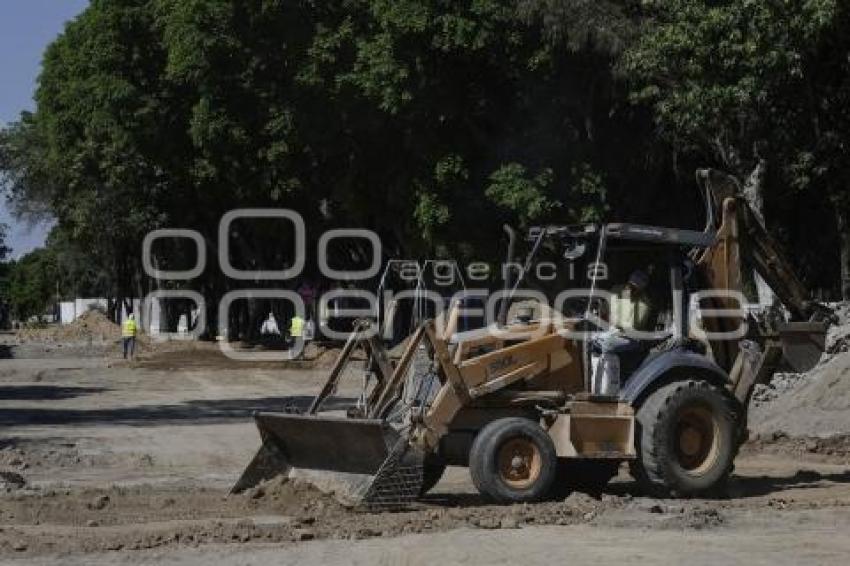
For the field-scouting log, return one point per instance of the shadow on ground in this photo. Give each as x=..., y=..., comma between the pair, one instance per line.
x=765, y=485
x=750, y=486
x=190, y=412
x=44, y=392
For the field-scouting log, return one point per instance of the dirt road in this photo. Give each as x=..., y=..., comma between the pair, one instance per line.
x=129, y=464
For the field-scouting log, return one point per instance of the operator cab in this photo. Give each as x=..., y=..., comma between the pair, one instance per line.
x=625, y=286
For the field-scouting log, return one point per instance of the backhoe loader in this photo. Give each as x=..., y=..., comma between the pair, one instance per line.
x=526, y=404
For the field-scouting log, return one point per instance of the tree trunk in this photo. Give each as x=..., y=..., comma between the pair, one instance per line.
x=754, y=194
x=754, y=189
x=844, y=249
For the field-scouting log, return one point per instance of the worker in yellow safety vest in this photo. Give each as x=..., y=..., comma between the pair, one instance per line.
x=128, y=333
x=296, y=329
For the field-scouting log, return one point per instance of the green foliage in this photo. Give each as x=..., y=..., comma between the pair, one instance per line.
x=429, y=121
x=512, y=188
x=32, y=283
x=166, y=112
x=578, y=24
x=722, y=75
x=747, y=82
x=76, y=275
x=61, y=270
x=589, y=188
x=430, y=214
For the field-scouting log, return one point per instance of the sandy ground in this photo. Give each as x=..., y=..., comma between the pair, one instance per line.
x=130, y=464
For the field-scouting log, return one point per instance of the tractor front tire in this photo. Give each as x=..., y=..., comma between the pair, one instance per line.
x=687, y=438
x=513, y=460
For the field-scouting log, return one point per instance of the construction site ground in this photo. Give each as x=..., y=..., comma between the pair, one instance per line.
x=108, y=462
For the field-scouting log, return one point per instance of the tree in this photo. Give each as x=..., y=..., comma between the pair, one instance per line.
x=431, y=122
x=4, y=250
x=32, y=284
x=405, y=117
x=758, y=88
x=5, y=267
x=59, y=270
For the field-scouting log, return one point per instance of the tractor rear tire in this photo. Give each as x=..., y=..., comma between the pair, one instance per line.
x=513, y=460
x=688, y=435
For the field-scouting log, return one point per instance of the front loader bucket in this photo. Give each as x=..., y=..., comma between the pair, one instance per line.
x=362, y=461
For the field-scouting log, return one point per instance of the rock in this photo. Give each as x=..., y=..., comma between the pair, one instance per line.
x=257, y=493
x=19, y=546
x=656, y=509
x=92, y=523
x=304, y=534
x=509, y=523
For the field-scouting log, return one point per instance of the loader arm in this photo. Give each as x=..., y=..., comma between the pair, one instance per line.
x=537, y=351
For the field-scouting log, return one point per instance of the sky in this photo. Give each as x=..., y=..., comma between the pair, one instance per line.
x=26, y=29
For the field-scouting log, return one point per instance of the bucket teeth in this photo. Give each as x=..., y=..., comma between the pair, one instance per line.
x=399, y=480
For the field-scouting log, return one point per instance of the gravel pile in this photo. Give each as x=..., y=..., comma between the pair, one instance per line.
x=781, y=384
x=813, y=404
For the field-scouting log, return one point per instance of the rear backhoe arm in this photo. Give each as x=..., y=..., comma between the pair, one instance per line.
x=741, y=239
x=763, y=253
x=757, y=247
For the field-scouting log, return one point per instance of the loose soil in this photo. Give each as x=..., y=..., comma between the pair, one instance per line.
x=108, y=462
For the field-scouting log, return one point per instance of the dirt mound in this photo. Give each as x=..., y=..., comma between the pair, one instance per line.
x=812, y=404
x=818, y=406
x=781, y=384
x=294, y=496
x=91, y=326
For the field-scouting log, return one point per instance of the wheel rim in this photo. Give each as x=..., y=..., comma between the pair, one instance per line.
x=520, y=463
x=697, y=439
